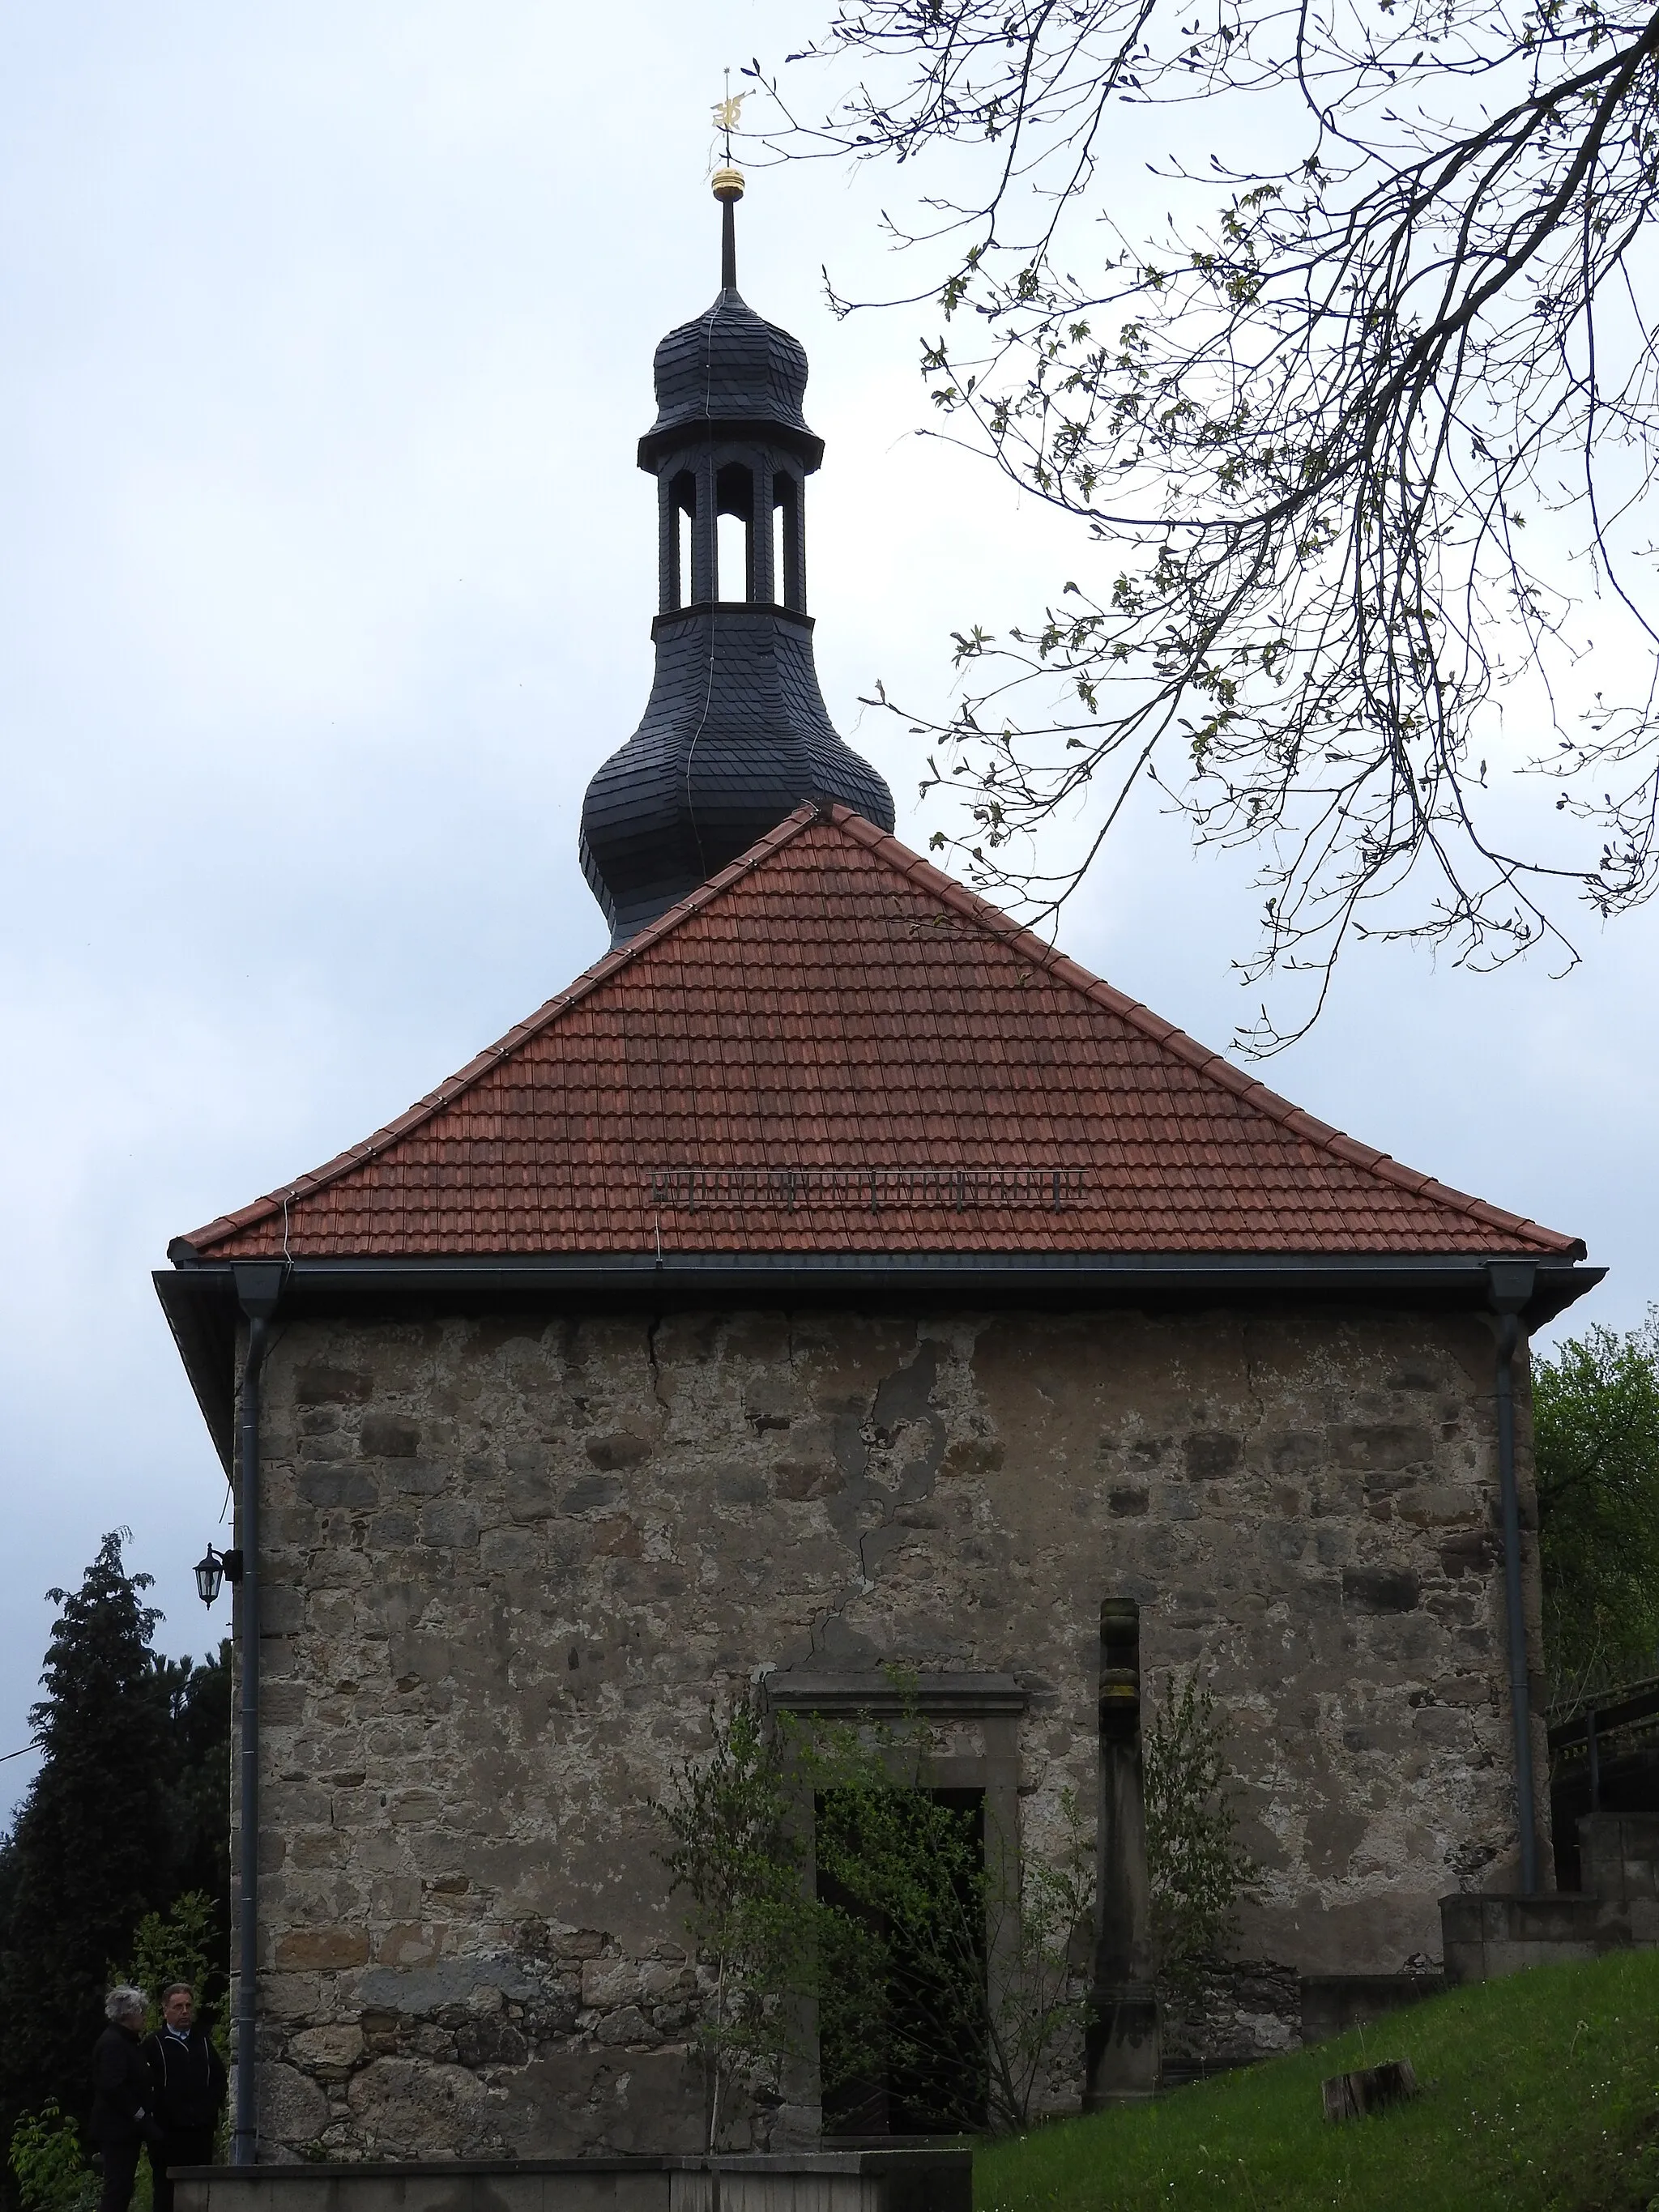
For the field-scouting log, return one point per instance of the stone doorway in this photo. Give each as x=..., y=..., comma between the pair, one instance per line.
x=933, y=2081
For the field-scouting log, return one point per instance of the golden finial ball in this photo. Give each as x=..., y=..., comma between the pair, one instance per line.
x=728, y=184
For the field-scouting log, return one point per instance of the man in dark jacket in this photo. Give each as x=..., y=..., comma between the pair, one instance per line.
x=187, y=2079
x=123, y=2115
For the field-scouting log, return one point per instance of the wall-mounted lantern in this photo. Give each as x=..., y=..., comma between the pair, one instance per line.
x=216, y=1568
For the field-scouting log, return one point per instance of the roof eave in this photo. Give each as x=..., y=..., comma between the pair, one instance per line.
x=199, y=1296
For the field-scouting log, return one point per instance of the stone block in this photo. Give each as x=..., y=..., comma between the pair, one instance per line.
x=502, y=1550
x=490, y=2043
x=621, y=1447
x=318, y=1848
x=1379, y=1589
x=581, y=2102
x=405, y=1945
x=292, y=2110
x=411, y=2109
x=452, y=1522
x=389, y=1436
x=1463, y=1690
x=328, y=2053
x=594, y=1493
x=290, y=1805
x=357, y=1807
x=799, y=1481
x=416, y=1478
x=337, y=1485
x=667, y=1978
x=408, y=1807
x=320, y=1385
x=1381, y=1446
x=608, y=1982
x=322, y=1950
x=1465, y=1962
x=1210, y=1455
x=1442, y=1724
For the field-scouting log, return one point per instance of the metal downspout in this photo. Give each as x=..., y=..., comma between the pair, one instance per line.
x=1511, y=1287
x=257, y=1290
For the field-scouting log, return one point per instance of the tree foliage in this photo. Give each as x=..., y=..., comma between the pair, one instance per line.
x=1395, y=314
x=128, y=1810
x=1595, y=1432
x=184, y=1944
x=960, y=1978
x=736, y=1852
x=48, y=2165
x=1197, y=1866
x=880, y=1962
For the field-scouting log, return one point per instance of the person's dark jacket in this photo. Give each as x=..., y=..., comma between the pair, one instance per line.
x=123, y=2100
x=187, y=2079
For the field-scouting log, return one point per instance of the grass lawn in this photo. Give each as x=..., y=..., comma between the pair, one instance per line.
x=1540, y=2091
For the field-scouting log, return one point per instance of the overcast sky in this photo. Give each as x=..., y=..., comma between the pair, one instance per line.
x=328, y=579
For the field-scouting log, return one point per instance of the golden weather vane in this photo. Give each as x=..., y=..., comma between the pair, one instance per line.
x=728, y=114
x=727, y=182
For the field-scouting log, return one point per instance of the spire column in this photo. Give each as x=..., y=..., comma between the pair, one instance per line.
x=670, y=583
x=705, y=549
x=760, y=534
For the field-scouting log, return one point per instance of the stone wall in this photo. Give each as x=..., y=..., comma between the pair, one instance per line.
x=509, y=1561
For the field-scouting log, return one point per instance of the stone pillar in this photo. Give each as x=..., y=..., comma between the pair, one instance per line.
x=1125, y=2057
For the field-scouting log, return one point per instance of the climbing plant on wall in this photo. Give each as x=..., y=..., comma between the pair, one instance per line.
x=972, y=1983
x=736, y=1853
x=1196, y=1866
x=910, y=1956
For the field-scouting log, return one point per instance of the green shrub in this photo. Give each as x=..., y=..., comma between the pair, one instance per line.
x=51, y=2169
x=1197, y=1866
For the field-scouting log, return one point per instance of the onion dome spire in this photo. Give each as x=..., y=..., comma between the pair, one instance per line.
x=736, y=734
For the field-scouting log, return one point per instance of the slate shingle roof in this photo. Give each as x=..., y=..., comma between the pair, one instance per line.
x=831, y=1047
x=729, y=366
x=735, y=737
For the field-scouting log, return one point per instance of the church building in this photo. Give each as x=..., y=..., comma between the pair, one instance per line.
x=834, y=1279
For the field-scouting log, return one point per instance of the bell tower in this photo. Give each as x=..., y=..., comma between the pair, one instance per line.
x=736, y=734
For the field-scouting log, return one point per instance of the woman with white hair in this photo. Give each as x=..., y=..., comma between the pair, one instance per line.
x=122, y=2122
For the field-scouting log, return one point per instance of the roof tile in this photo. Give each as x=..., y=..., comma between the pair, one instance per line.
x=831, y=1003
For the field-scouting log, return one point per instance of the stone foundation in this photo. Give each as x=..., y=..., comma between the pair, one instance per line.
x=845, y=2181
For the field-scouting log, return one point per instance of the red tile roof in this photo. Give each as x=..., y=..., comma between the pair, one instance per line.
x=832, y=1048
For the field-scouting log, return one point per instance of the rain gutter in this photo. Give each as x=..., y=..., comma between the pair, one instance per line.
x=1512, y=1287
x=257, y=1287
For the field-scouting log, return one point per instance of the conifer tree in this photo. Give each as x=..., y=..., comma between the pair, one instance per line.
x=197, y=1702
x=91, y=1849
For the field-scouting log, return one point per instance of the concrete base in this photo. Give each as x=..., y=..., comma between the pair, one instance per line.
x=1331, y=2003
x=1124, y=2059
x=1489, y=1936
x=1617, y=1910
x=931, y=2180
